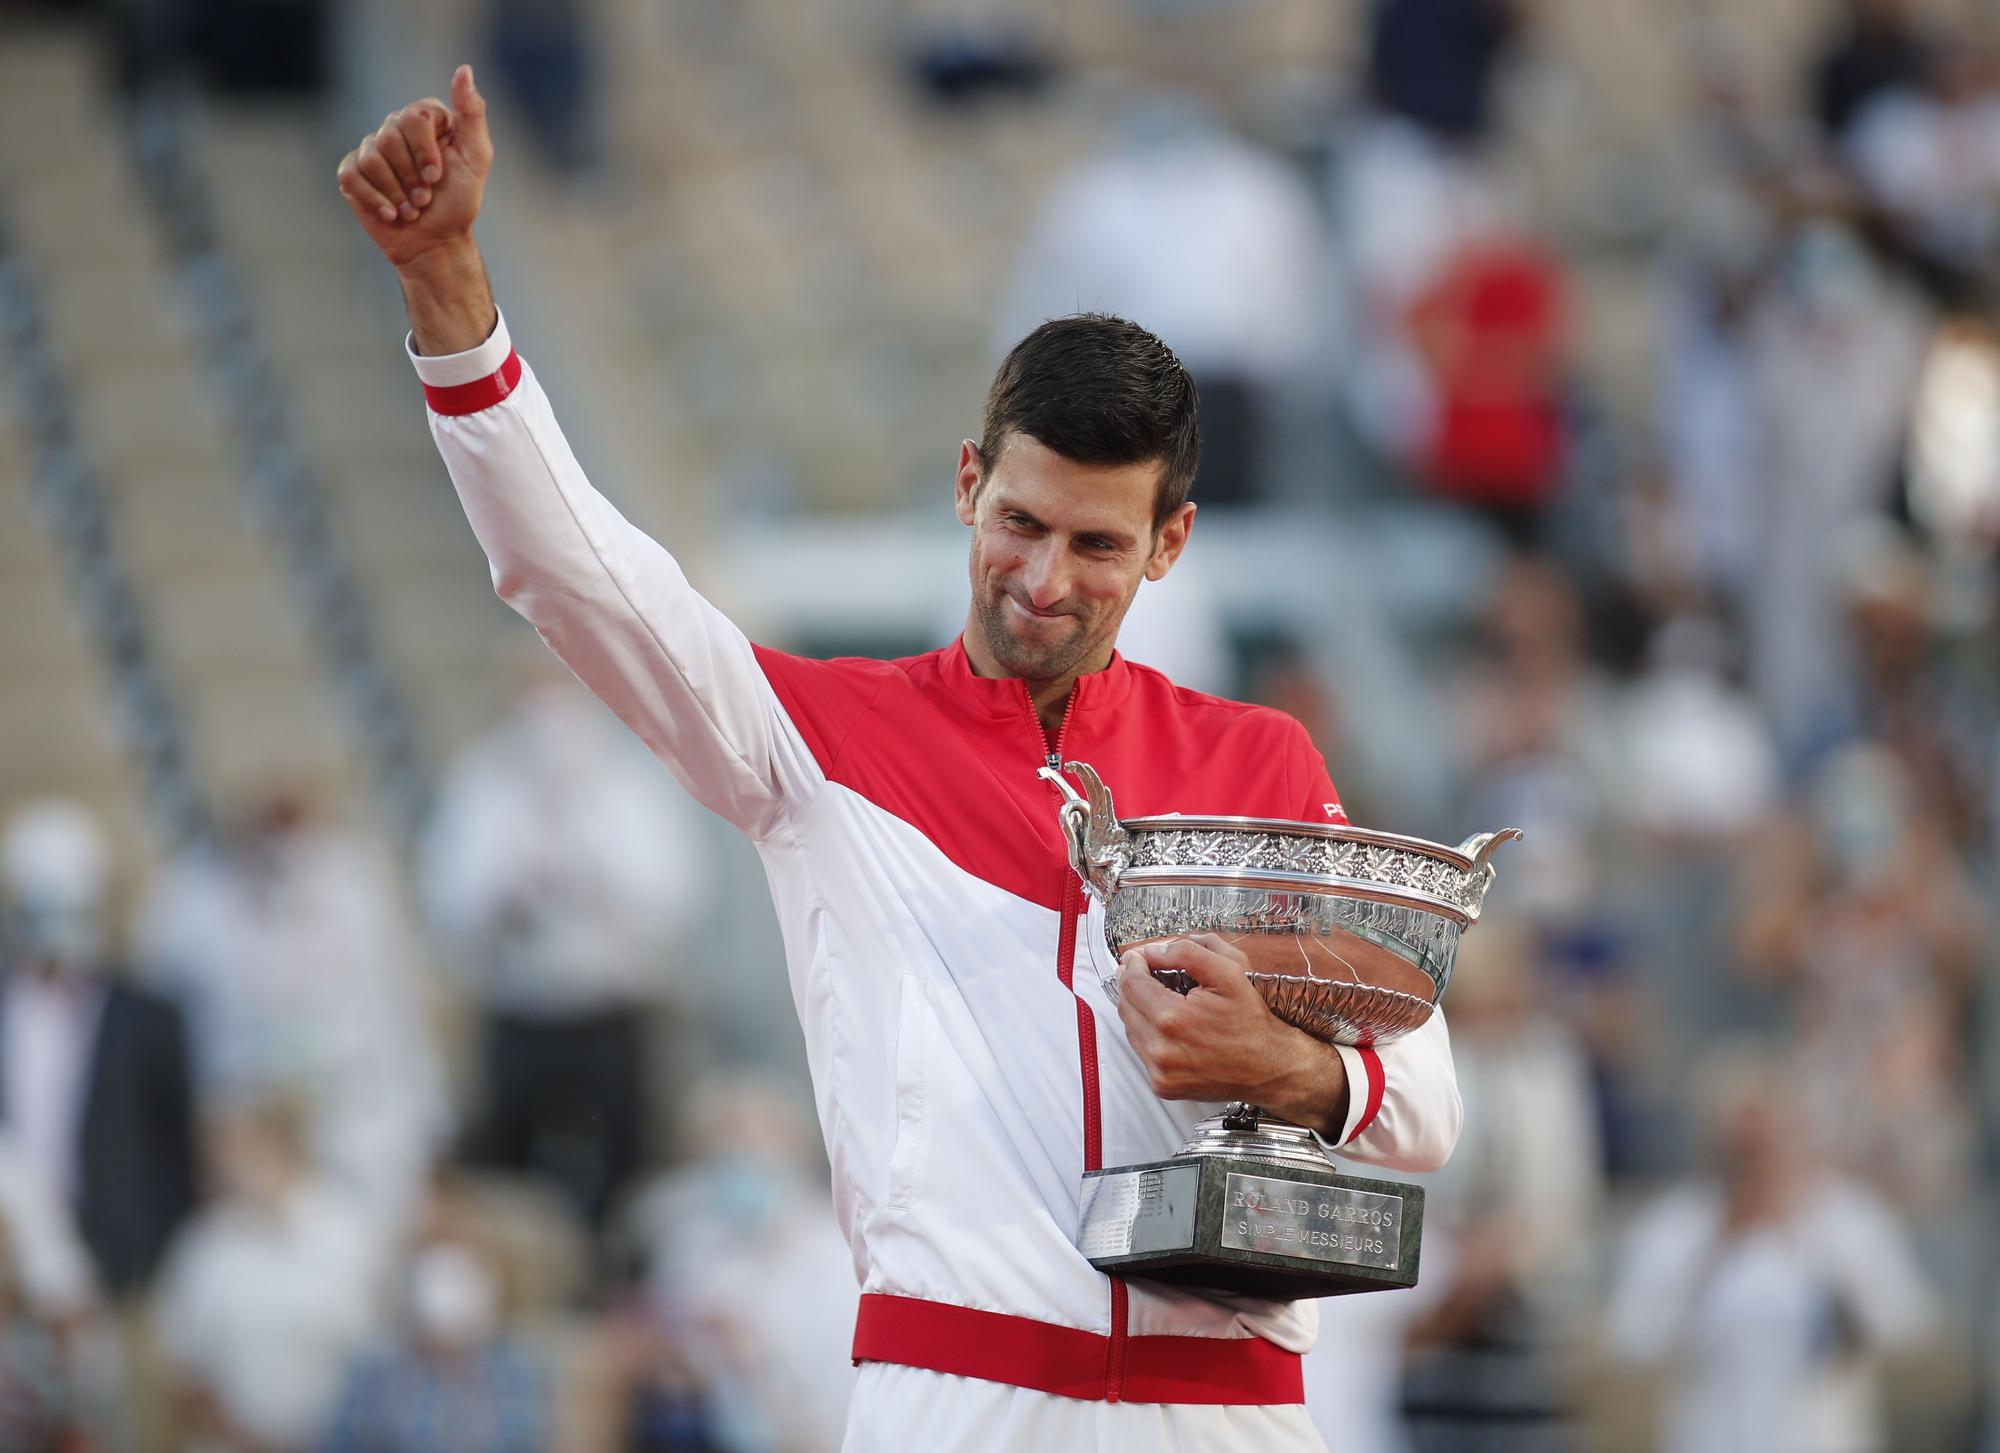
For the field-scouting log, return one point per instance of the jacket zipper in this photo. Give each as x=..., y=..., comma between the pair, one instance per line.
x=1086, y=1043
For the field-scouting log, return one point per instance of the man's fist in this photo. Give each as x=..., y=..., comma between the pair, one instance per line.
x=415, y=183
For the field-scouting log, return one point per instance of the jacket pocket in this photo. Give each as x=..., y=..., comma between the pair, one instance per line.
x=916, y=1035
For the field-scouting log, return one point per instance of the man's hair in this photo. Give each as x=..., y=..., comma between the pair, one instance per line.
x=1099, y=390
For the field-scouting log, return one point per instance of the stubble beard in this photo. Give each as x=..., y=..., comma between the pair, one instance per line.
x=1030, y=662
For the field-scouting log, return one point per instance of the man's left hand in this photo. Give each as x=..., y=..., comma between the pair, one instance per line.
x=1220, y=1041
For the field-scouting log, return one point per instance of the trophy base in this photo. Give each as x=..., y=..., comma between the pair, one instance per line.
x=1253, y=1225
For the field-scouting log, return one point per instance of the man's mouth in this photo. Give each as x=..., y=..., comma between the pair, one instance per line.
x=1034, y=614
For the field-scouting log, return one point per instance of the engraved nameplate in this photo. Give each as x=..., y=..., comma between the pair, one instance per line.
x=1322, y=1223
x=1139, y=1211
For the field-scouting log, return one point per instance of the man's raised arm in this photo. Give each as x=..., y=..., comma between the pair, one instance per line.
x=605, y=597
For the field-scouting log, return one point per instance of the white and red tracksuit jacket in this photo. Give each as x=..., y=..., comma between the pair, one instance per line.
x=966, y=1063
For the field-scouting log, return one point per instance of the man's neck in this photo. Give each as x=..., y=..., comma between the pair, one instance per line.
x=1050, y=698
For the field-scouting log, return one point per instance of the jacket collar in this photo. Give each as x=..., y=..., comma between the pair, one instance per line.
x=1006, y=696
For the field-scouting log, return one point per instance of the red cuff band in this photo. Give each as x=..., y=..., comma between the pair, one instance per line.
x=481, y=393
x=1372, y=1063
x=1069, y=1362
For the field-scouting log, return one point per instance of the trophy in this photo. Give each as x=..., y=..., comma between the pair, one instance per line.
x=1350, y=936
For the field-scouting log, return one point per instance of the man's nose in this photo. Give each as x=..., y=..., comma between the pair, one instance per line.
x=1046, y=579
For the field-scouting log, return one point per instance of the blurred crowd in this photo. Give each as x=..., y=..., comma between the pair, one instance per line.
x=244, y=1209
x=1726, y=1039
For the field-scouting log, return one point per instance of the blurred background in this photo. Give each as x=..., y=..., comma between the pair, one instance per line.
x=1602, y=402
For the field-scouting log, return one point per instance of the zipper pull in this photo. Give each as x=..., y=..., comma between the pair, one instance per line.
x=1055, y=761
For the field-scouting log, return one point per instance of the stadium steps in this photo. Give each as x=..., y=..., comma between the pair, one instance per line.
x=326, y=312
x=233, y=650
x=56, y=717
x=57, y=733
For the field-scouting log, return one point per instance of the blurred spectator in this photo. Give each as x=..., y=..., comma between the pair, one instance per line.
x=94, y=1076
x=1709, y=529
x=1210, y=242
x=293, y=951
x=654, y=1397
x=1457, y=323
x=1767, y=1297
x=49, y=1402
x=1353, y=1374
x=453, y=1381
x=1927, y=152
x=1879, y=46
x=1491, y=337
x=267, y=1292
x=547, y=54
x=1951, y=485
x=1702, y=766
x=962, y=54
x=1515, y=1205
x=1540, y=745
x=1864, y=914
x=48, y=1266
x=1905, y=693
x=567, y=878
x=257, y=47
x=1734, y=157
x=1433, y=62
x=750, y=1274
x=1545, y=746
x=1835, y=349
x=1456, y=319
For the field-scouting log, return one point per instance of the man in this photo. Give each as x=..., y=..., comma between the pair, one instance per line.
x=564, y=872
x=95, y=1085
x=271, y=1289
x=965, y=1071
x=294, y=954
x=1769, y=1297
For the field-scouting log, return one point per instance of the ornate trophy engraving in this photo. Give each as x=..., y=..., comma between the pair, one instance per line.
x=1351, y=935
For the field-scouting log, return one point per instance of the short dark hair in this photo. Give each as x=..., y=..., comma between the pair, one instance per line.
x=1100, y=390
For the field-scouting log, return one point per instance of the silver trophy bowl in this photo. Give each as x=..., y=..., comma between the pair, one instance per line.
x=1350, y=933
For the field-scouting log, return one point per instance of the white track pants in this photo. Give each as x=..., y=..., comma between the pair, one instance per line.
x=899, y=1409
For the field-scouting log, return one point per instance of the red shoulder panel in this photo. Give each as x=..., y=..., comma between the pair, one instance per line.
x=957, y=757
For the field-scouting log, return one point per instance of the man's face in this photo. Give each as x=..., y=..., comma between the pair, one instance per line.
x=1058, y=551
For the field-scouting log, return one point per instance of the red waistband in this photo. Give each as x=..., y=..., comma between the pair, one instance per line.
x=1070, y=1362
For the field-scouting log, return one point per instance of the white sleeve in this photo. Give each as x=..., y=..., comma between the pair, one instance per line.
x=1403, y=1110
x=1662, y=1268
x=607, y=598
x=1860, y=1247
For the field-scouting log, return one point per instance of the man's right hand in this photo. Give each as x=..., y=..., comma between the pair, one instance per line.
x=415, y=183
x=415, y=186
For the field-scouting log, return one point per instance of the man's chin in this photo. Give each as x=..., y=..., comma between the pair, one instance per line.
x=1029, y=654
x=1039, y=662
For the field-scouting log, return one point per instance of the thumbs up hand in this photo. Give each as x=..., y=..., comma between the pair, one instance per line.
x=415, y=183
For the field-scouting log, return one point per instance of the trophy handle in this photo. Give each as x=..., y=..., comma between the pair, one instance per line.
x=1097, y=844
x=1480, y=847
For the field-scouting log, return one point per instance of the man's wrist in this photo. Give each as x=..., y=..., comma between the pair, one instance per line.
x=449, y=301
x=442, y=263
x=1312, y=1087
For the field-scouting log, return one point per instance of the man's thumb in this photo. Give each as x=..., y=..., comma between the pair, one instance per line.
x=468, y=103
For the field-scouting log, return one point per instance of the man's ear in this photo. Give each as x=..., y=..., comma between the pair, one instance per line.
x=1170, y=541
x=971, y=469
